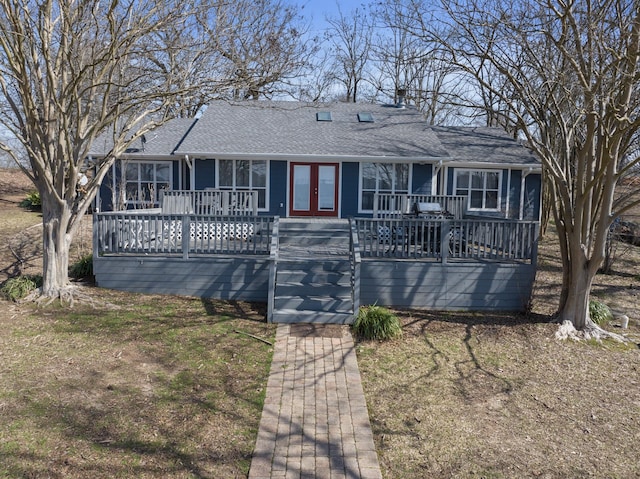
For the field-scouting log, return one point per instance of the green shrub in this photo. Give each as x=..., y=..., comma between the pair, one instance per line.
x=32, y=201
x=83, y=268
x=376, y=322
x=599, y=312
x=17, y=288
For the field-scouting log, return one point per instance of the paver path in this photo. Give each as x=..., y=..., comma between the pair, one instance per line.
x=315, y=422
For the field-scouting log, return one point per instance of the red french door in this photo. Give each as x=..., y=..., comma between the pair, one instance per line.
x=313, y=189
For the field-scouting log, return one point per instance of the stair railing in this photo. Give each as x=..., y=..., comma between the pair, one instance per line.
x=355, y=261
x=274, y=253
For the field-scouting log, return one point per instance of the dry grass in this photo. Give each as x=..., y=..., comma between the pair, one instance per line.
x=157, y=387
x=497, y=396
x=132, y=386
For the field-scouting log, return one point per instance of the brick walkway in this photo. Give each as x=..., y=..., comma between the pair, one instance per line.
x=315, y=422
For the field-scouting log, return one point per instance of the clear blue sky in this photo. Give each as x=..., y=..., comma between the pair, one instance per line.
x=318, y=9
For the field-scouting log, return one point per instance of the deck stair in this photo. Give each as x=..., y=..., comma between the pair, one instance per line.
x=313, y=279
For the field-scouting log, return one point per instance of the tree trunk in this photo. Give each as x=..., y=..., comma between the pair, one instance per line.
x=56, y=242
x=575, y=307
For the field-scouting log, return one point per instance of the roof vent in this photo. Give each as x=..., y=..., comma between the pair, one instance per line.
x=401, y=93
x=365, y=117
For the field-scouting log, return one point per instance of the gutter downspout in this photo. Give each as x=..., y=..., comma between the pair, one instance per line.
x=192, y=173
x=437, y=169
x=522, y=183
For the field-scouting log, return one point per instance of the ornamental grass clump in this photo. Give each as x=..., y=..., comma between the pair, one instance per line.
x=83, y=268
x=599, y=312
x=32, y=201
x=376, y=322
x=14, y=289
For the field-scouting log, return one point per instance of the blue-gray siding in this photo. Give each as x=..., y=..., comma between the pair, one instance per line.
x=205, y=277
x=349, y=184
x=432, y=285
x=277, y=188
x=449, y=286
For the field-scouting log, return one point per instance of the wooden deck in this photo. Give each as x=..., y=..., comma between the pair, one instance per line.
x=418, y=262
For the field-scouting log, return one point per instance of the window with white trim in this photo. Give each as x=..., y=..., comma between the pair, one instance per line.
x=144, y=180
x=391, y=178
x=482, y=188
x=244, y=175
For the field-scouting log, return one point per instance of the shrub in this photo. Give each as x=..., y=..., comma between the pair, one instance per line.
x=376, y=322
x=83, y=268
x=599, y=312
x=32, y=201
x=17, y=288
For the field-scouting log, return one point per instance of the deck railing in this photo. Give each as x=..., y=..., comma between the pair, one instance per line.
x=355, y=260
x=386, y=205
x=210, y=202
x=189, y=235
x=274, y=255
x=446, y=239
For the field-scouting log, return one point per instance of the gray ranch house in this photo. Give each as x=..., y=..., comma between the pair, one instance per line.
x=318, y=208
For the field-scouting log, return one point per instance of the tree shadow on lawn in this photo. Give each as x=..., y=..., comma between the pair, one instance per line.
x=253, y=311
x=423, y=318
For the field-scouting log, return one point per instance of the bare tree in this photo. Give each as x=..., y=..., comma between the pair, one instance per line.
x=405, y=60
x=70, y=71
x=350, y=39
x=571, y=71
x=263, y=45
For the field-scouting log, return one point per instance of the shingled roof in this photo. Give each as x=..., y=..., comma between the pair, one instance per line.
x=292, y=130
x=161, y=141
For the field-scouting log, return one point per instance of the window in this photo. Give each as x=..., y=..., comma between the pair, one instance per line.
x=144, y=181
x=365, y=117
x=323, y=116
x=382, y=178
x=482, y=188
x=244, y=175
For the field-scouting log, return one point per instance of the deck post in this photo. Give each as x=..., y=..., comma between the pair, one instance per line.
x=273, y=268
x=444, y=240
x=95, y=236
x=185, y=236
x=534, y=246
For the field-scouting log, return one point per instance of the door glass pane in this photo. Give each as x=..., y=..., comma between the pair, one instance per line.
x=301, y=187
x=326, y=187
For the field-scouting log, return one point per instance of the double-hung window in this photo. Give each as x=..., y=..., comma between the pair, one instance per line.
x=144, y=180
x=244, y=175
x=482, y=188
x=390, y=178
